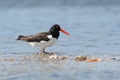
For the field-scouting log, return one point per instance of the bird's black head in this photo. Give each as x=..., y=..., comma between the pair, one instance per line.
x=54, y=30
x=55, y=27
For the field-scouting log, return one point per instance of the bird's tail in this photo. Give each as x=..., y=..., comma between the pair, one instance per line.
x=20, y=37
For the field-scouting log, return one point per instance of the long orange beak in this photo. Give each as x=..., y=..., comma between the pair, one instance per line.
x=62, y=30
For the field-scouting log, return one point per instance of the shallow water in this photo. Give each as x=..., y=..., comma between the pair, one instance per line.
x=94, y=32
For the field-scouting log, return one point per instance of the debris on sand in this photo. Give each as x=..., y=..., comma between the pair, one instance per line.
x=64, y=58
x=114, y=59
x=55, y=57
x=87, y=59
x=10, y=59
x=94, y=60
x=80, y=58
x=51, y=56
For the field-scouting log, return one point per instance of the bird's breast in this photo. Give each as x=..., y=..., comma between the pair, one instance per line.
x=43, y=44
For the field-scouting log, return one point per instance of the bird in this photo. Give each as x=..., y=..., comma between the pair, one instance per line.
x=44, y=39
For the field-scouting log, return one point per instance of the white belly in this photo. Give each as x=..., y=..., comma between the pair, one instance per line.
x=43, y=44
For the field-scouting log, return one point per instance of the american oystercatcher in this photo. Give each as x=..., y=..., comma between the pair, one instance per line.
x=44, y=39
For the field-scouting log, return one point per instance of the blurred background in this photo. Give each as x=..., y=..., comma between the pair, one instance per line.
x=94, y=26
x=56, y=3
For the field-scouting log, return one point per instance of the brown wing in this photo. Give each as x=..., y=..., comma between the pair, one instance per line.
x=35, y=38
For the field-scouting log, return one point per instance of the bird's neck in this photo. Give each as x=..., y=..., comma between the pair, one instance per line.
x=55, y=34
